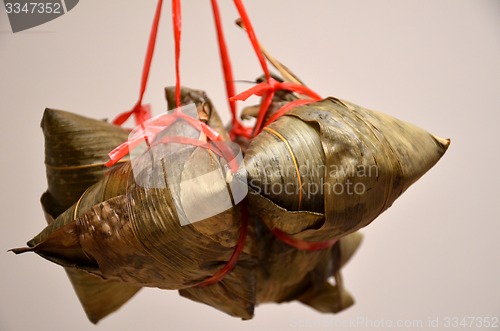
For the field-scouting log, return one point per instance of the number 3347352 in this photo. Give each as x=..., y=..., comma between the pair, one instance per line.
x=33, y=8
x=471, y=322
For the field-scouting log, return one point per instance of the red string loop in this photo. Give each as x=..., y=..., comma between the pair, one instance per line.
x=302, y=244
x=267, y=91
x=140, y=111
x=272, y=86
x=152, y=128
x=268, y=88
x=283, y=110
x=237, y=128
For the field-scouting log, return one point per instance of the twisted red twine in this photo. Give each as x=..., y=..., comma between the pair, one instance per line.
x=177, y=25
x=270, y=86
x=140, y=111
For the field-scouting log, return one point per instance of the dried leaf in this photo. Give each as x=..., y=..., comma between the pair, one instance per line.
x=339, y=159
x=76, y=149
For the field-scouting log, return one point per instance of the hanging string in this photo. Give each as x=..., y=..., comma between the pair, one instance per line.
x=226, y=62
x=143, y=112
x=253, y=38
x=177, y=25
x=237, y=128
x=270, y=86
x=267, y=97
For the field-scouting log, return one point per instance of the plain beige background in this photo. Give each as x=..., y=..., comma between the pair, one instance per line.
x=436, y=63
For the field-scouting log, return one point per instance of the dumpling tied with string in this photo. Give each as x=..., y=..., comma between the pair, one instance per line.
x=132, y=226
x=337, y=159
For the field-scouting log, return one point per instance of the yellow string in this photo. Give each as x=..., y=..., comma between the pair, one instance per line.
x=78, y=204
x=293, y=159
x=83, y=166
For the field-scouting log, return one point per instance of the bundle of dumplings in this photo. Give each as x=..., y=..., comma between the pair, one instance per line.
x=311, y=180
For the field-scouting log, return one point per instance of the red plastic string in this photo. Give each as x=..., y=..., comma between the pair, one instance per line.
x=268, y=88
x=251, y=35
x=237, y=128
x=149, y=131
x=237, y=251
x=177, y=22
x=264, y=106
x=302, y=244
x=273, y=85
x=140, y=111
x=286, y=108
x=226, y=62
